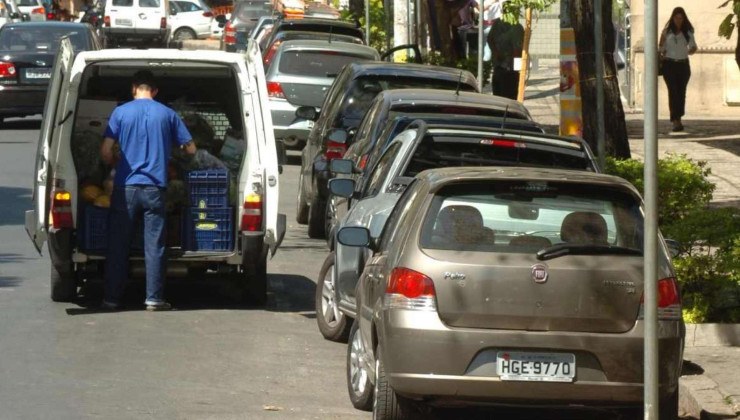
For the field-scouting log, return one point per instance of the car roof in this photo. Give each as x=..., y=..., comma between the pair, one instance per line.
x=382, y=68
x=307, y=21
x=325, y=45
x=319, y=35
x=438, y=178
x=446, y=97
x=47, y=24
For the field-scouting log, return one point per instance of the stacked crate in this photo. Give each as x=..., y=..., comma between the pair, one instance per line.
x=92, y=234
x=208, y=223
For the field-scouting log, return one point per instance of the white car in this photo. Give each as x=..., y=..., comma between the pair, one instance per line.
x=192, y=19
x=136, y=20
x=34, y=9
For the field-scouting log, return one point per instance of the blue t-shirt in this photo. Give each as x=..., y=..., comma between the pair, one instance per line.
x=145, y=129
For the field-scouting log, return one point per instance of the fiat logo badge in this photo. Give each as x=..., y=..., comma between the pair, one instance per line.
x=539, y=273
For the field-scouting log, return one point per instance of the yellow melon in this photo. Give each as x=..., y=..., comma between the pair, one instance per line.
x=90, y=193
x=102, y=201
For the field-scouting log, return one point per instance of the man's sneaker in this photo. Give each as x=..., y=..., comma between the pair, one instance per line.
x=110, y=306
x=158, y=306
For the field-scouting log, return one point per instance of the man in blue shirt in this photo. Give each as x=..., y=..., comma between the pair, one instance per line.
x=145, y=131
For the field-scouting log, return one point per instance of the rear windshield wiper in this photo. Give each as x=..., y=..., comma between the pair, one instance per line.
x=560, y=250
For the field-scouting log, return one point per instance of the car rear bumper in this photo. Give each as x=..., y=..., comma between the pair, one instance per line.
x=284, y=121
x=426, y=359
x=18, y=101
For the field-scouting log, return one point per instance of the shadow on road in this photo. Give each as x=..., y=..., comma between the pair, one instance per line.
x=20, y=124
x=13, y=204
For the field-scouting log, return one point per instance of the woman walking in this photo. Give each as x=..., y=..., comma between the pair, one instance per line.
x=676, y=44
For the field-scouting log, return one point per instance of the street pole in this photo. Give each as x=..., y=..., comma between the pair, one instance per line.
x=367, y=22
x=480, y=46
x=651, y=211
x=599, y=55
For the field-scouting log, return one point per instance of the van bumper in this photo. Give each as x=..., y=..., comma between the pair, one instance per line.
x=141, y=34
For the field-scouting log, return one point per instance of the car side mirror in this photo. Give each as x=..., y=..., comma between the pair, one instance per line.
x=15, y=15
x=337, y=135
x=306, y=113
x=221, y=19
x=355, y=236
x=342, y=166
x=674, y=247
x=342, y=187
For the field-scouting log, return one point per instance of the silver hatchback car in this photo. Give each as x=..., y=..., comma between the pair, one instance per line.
x=517, y=286
x=300, y=75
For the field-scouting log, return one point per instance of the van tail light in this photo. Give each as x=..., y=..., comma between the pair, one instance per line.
x=409, y=289
x=38, y=11
x=106, y=21
x=270, y=54
x=163, y=23
x=669, y=300
x=229, y=34
x=252, y=214
x=61, y=209
x=7, y=72
x=207, y=14
x=274, y=90
x=334, y=150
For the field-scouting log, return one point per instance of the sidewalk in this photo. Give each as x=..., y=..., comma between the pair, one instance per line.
x=710, y=383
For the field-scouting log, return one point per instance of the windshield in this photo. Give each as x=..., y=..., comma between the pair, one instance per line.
x=23, y=38
x=525, y=217
x=316, y=63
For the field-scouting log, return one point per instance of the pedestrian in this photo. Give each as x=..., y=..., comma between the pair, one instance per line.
x=145, y=131
x=677, y=43
x=492, y=11
x=506, y=40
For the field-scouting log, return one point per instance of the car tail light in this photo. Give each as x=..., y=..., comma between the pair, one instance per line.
x=51, y=16
x=271, y=53
x=503, y=143
x=409, y=289
x=363, y=162
x=669, y=300
x=274, y=90
x=207, y=14
x=106, y=21
x=334, y=150
x=163, y=23
x=38, y=11
x=229, y=34
x=61, y=209
x=7, y=70
x=252, y=214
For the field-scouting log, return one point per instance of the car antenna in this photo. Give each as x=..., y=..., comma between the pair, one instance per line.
x=459, y=82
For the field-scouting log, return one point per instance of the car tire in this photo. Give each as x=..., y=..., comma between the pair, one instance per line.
x=335, y=325
x=184, y=34
x=63, y=285
x=359, y=386
x=317, y=218
x=387, y=405
x=301, y=215
x=668, y=407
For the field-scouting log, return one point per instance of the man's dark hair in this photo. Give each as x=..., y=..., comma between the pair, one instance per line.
x=144, y=77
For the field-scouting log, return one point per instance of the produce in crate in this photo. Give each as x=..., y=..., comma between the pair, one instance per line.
x=90, y=193
x=202, y=132
x=102, y=201
x=233, y=150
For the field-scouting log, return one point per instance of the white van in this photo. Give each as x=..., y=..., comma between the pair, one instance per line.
x=137, y=20
x=225, y=87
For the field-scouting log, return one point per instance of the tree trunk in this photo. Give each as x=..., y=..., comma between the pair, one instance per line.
x=737, y=47
x=446, y=11
x=582, y=18
x=525, y=54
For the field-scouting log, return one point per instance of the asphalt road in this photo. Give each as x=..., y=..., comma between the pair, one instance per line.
x=207, y=359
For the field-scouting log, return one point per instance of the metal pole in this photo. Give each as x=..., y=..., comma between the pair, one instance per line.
x=651, y=211
x=367, y=22
x=599, y=55
x=480, y=45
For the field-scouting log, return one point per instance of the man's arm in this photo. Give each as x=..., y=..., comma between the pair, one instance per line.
x=189, y=147
x=106, y=151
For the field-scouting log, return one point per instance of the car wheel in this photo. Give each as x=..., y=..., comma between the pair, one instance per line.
x=358, y=378
x=332, y=322
x=668, y=408
x=301, y=215
x=317, y=218
x=63, y=285
x=184, y=34
x=386, y=404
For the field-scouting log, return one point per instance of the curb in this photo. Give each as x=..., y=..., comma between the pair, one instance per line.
x=712, y=335
x=699, y=398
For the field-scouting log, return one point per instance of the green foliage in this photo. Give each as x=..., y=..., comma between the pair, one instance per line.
x=470, y=64
x=731, y=20
x=513, y=8
x=708, y=264
x=377, y=23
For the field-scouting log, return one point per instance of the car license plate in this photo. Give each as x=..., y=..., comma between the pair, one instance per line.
x=545, y=367
x=124, y=22
x=37, y=75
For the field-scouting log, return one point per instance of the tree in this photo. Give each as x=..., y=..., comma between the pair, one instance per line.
x=730, y=23
x=582, y=18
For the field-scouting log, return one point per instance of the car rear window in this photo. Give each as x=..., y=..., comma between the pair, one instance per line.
x=39, y=39
x=316, y=63
x=252, y=10
x=443, y=151
x=527, y=216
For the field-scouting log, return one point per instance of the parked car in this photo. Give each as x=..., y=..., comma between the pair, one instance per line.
x=347, y=102
x=243, y=19
x=140, y=21
x=268, y=51
x=332, y=26
x=367, y=200
x=234, y=238
x=34, y=9
x=27, y=53
x=509, y=286
x=192, y=20
x=262, y=23
x=300, y=75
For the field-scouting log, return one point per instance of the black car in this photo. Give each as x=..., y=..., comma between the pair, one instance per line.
x=244, y=18
x=269, y=53
x=346, y=103
x=27, y=53
x=336, y=27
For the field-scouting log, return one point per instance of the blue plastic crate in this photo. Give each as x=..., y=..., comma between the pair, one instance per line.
x=209, y=229
x=93, y=231
x=209, y=188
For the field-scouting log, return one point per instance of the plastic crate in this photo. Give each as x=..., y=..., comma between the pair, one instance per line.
x=209, y=229
x=93, y=231
x=209, y=188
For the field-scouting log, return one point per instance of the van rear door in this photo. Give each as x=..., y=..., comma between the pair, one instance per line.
x=148, y=16
x=122, y=14
x=37, y=220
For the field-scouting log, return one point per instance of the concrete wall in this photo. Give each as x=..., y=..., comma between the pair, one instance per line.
x=714, y=88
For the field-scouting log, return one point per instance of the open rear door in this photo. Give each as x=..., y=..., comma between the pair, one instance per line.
x=37, y=220
x=275, y=224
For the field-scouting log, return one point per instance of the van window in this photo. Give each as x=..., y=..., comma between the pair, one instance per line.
x=123, y=3
x=149, y=3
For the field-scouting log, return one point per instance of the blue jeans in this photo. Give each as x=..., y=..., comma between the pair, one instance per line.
x=127, y=205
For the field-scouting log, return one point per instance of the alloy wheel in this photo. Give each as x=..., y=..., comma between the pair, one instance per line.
x=329, y=308
x=358, y=371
